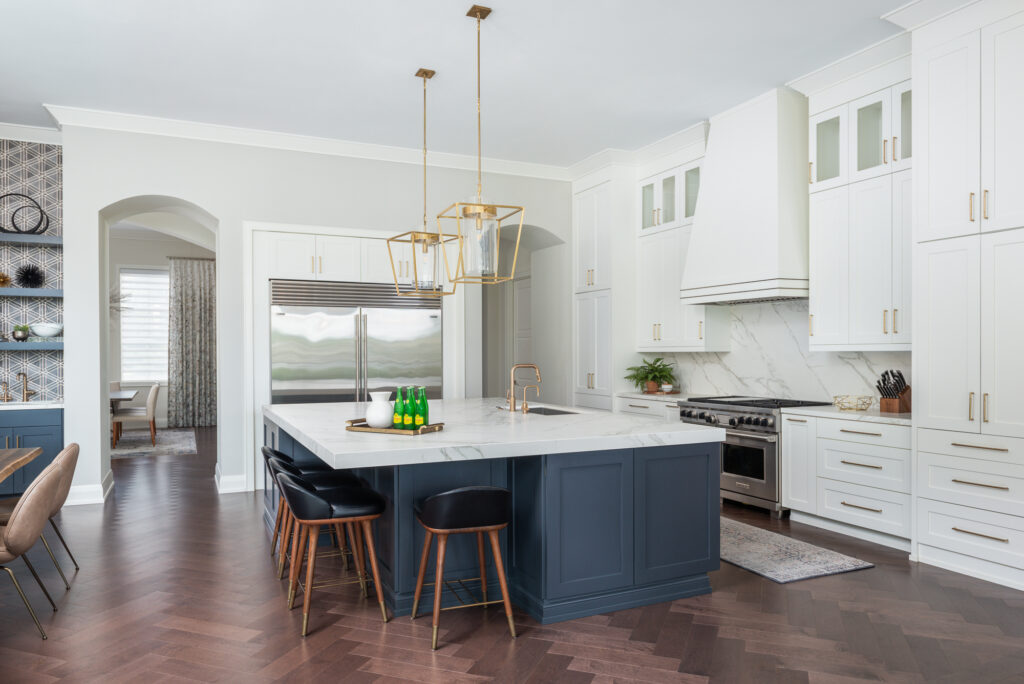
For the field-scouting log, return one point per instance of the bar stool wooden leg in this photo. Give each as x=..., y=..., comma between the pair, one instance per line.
x=313, y=533
x=339, y=534
x=499, y=567
x=298, y=539
x=360, y=558
x=483, y=565
x=277, y=526
x=442, y=546
x=427, y=540
x=351, y=545
x=372, y=551
x=287, y=529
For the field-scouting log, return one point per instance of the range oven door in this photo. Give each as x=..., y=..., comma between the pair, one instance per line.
x=750, y=465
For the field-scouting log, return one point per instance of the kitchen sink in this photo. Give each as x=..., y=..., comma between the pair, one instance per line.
x=545, y=411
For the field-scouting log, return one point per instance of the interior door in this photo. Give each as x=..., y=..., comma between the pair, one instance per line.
x=871, y=261
x=1002, y=329
x=870, y=133
x=828, y=165
x=948, y=170
x=313, y=354
x=402, y=347
x=829, y=267
x=1002, y=130
x=947, y=363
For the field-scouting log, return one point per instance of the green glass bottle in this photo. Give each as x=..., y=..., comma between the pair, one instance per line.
x=422, y=410
x=409, y=412
x=397, y=422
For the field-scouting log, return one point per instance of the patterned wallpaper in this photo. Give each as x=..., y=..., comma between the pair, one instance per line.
x=33, y=169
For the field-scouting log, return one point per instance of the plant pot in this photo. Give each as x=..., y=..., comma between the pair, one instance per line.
x=20, y=335
x=651, y=387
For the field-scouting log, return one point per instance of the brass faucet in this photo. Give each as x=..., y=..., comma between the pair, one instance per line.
x=5, y=392
x=536, y=388
x=25, y=391
x=512, y=384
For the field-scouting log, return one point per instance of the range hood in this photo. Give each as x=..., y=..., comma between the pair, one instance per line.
x=749, y=235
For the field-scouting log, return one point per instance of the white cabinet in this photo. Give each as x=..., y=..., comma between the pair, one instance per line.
x=902, y=256
x=947, y=382
x=828, y=166
x=293, y=256
x=799, y=463
x=338, y=258
x=829, y=268
x=592, y=231
x=668, y=200
x=593, y=343
x=1002, y=330
x=902, y=148
x=376, y=263
x=1002, y=124
x=870, y=135
x=870, y=293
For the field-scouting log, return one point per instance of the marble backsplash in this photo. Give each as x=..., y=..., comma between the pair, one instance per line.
x=769, y=357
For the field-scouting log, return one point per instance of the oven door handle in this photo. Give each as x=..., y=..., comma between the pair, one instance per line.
x=746, y=435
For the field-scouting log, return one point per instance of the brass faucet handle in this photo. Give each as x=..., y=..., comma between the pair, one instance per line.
x=536, y=388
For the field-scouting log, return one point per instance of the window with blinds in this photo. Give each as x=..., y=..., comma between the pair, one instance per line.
x=144, y=324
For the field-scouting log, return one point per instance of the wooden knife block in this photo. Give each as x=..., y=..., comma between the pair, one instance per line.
x=900, y=404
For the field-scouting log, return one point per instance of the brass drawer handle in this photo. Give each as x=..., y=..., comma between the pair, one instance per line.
x=796, y=420
x=862, y=465
x=894, y=148
x=700, y=330
x=978, y=446
x=971, y=203
x=321, y=264
x=970, y=407
x=810, y=325
x=885, y=150
x=859, y=432
x=984, y=204
x=312, y=264
x=979, y=534
x=981, y=484
x=638, y=406
x=863, y=508
x=894, y=330
x=984, y=407
x=885, y=321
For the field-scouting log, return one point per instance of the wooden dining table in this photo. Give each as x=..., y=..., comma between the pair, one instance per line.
x=12, y=459
x=117, y=396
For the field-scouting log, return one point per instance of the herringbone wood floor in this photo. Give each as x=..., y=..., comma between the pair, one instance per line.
x=176, y=585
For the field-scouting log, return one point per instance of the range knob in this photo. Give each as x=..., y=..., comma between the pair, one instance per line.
x=712, y=418
x=763, y=422
x=769, y=422
x=749, y=420
x=702, y=415
x=733, y=421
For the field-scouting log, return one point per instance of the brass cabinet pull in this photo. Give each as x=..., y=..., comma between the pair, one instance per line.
x=981, y=484
x=659, y=216
x=978, y=446
x=796, y=420
x=654, y=332
x=984, y=204
x=885, y=151
x=885, y=321
x=984, y=407
x=17, y=441
x=971, y=202
x=858, y=432
x=863, y=508
x=321, y=264
x=700, y=330
x=810, y=172
x=7, y=442
x=894, y=330
x=979, y=534
x=638, y=406
x=312, y=264
x=894, y=148
x=970, y=407
x=654, y=221
x=810, y=325
x=862, y=465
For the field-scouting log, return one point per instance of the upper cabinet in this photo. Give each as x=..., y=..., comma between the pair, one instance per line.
x=338, y=258
x=302, y=256
x=668, y=200
x=592, y=238
x=971, y=137
x=828, y=166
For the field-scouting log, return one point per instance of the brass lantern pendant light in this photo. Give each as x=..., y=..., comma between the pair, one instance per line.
x=478, y=222
x=416, y=256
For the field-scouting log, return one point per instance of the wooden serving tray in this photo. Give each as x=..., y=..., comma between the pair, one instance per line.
x=665, y=393
x=359, y=425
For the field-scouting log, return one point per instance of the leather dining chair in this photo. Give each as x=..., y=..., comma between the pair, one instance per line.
x=26, y=525
x=139, y=415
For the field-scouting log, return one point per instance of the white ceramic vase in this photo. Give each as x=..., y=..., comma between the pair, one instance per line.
x=380, y=413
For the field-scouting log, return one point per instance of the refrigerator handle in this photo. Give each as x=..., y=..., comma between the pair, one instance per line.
x=366, y=365
x=359, y=357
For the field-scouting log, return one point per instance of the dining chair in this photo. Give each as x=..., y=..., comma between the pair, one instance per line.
x=139, y=415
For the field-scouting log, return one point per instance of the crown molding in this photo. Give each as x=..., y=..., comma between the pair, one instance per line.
x=36, y=134
x=176, y=128
x=845, y=68
x=917, y=13
x=600, y=160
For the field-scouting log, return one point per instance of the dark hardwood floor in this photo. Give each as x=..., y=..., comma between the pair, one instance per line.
x=177, y=585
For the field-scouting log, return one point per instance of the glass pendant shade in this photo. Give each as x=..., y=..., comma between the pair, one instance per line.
x=479, y=227
x=417, y=263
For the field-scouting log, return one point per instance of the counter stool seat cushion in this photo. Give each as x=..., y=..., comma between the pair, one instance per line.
x=329, y=504
x=466, y=508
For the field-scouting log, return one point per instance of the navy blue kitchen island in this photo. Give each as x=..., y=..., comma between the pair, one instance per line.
x=594, y=530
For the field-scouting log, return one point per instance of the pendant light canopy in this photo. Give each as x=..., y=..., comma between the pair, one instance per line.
x=417, y=255
x=479, y=224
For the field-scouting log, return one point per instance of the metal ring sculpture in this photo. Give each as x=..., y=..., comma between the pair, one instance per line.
x=23, y=203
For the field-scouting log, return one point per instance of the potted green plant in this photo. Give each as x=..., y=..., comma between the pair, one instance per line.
x=650, y=375
x=20, y=333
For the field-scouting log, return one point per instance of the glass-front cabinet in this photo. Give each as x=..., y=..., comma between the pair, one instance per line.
x=870, y=136
x=669, y=199
x=827, y=165
x=902, y=133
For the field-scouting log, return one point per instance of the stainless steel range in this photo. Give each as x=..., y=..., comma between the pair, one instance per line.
x=750, y=452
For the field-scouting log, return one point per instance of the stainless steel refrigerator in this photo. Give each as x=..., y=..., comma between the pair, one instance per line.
x=340, y=341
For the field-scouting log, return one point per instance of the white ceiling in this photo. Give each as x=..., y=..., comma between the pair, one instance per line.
x=562, y=80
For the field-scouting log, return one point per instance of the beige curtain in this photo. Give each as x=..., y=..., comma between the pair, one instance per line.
x=192, y=344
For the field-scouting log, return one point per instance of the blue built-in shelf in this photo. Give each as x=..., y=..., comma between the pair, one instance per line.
x=31, y=346
x=25, y=239
x=30, y=292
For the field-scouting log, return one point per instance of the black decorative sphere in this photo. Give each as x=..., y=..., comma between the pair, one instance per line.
x=29, y=275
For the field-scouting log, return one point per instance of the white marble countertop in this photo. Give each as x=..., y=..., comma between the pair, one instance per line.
x=667, y=398
x=23, y=405
x=476, y=429
x=872, y=415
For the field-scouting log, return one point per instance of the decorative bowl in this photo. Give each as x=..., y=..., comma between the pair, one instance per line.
x=47, y=329
x=853, y=402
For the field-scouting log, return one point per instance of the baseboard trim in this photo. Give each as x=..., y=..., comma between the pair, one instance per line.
x=230, y=484
x=852, y=531
x=91, y=493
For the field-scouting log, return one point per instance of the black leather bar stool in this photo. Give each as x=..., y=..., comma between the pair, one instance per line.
x=464, y=511
x=304, y=465
x=352, y=506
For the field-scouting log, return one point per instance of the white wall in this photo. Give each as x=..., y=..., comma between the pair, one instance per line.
x=135, y=248
x=235, y=183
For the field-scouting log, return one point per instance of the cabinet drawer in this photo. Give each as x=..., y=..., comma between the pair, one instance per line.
x=995, y=537
x=986, y=447
x=865, y=464
x=645, y=407
x=882, y=434
x=971, y=482
x=875, y=509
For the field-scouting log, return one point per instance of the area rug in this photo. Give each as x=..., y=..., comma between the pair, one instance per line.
x=780, y=558
x=135, y=443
